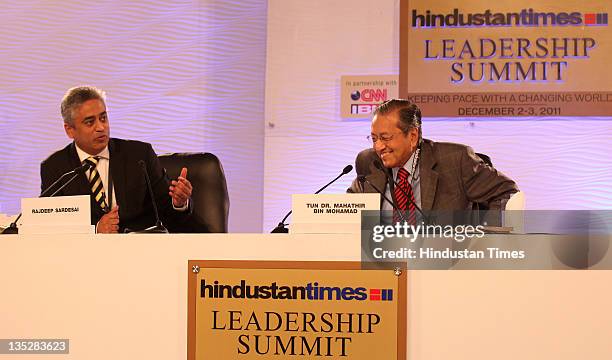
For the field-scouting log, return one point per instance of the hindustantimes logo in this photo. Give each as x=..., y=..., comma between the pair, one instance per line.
x=274, y=291
x=489, y=18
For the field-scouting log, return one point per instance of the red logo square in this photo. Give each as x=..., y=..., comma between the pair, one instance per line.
x=375, y=294
x=590, y=19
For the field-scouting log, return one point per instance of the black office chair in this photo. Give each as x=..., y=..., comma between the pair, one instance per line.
x=485, y=158
x=210, y=197
x=481, y=210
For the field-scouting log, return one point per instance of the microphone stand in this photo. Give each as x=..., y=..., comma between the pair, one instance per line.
x=363, y=179
x=158, y=228
x=281, y=227
x=390, y=179
x=13, y=229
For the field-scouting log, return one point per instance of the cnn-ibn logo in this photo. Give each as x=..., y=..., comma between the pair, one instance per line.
x=372, y=97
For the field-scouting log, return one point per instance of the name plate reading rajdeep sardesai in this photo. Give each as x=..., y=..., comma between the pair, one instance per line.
x=330, y=213
x=61, y=214
x=298, y=310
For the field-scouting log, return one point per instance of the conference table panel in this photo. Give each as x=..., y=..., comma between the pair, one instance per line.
x=125, y=297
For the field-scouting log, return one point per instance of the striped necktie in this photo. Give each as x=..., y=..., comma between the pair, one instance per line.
x=95, y=182
x=403, y=202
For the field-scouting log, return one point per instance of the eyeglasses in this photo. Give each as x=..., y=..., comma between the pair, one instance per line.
x=382, y=138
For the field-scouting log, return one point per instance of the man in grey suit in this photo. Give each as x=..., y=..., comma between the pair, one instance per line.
x=436, y=175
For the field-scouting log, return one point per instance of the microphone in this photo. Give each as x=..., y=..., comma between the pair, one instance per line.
x=280, y=228
x=158, y=227
x=347, y=169
x=379, y=166
x=12, y=229
x=362, y=179
x=75, y=172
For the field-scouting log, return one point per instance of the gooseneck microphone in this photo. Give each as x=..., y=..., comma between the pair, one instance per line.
x=362, y=179
x=12, y=229
x=347, y=169
x=158, y=227
x=75, y=172
x=379, y=166
x=281, y=227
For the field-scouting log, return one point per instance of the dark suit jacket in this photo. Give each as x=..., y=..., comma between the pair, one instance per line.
x=452, y=178
x=135, y=205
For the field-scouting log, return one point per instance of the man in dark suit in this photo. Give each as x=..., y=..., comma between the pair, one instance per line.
x=436, y=175
x=116, y=182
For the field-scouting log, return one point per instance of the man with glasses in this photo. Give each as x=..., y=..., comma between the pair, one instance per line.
x=432, y=175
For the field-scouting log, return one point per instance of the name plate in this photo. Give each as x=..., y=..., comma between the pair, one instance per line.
x=67, y=214
x=330, y=213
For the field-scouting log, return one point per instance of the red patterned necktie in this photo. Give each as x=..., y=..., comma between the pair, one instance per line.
x=404, y=203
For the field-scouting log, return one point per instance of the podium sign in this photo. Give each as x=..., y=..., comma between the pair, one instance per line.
x=506, y=58
x=68, y=214
x=271, y=310
x=330, y=213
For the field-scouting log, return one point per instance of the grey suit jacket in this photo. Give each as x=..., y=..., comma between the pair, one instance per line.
x=453, y=177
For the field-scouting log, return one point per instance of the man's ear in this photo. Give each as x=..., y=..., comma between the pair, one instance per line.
x=69, y=130
x=413, y=135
